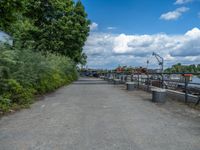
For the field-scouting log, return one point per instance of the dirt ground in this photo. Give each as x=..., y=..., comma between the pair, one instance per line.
x=93, y=115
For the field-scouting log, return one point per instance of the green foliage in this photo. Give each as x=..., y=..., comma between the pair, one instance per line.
x=11, y=89
x=10, y=10
x=56, y=26
x=183, y=68
x=48, y=38
x=4, y=104
x=24, y=73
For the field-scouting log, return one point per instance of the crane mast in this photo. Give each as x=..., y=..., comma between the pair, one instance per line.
x=160, y=61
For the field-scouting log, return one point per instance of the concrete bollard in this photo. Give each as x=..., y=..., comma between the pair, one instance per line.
x=117, y=81
x=102, y=77
x=110, y=80
x=130, y=86
x=158, y=95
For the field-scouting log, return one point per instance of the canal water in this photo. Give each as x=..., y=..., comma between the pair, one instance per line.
x=196, y=81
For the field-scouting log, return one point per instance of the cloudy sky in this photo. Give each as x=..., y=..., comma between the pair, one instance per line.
x=126, y=32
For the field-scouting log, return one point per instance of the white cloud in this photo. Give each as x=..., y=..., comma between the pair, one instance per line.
x=93, y=26
x=190, y=45
x=174, y=15
x=109, y=50
x=180, y=2
x=194, y=33
x=111, y=28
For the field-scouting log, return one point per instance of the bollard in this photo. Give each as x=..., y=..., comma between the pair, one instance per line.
x=117, y=81
x=130, y=86
x=158, y=95
x=102, y=77
x=110, y=80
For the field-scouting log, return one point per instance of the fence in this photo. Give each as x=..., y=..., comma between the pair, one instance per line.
x=173, y=81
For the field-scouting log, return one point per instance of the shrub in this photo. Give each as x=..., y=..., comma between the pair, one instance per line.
x=11, y=89
x=24, y=73
x=4, y=104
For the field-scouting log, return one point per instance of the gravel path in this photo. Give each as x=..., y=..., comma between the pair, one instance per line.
x=93, y=115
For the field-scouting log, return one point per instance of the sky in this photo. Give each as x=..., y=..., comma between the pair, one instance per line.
x=127, y=32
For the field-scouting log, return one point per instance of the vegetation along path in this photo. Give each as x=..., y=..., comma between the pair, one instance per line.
x=92, y=115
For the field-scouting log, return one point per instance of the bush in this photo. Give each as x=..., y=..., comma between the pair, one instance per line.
x=24, y=73
x=11, y=89
x=4, y=104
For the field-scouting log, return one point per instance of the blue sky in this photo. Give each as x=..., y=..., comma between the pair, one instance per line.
x=141, y=16
x=127, y=31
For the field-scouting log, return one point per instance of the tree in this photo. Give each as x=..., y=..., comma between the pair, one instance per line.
x=183, y=68
x=10, y=10
x=57, y=26
x=63, y=27
x=82, y=30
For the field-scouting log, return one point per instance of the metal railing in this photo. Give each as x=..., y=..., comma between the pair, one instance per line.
x=173, y=81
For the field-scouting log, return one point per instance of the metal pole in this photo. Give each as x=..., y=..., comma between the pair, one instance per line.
x=186, y=90
x=148, y=83
x=162, y=81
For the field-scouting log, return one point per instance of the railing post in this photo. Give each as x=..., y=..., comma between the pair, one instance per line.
x=186, y=90
x=138, y=80
x=162, y=81
x=131, y=77
x=148, y=83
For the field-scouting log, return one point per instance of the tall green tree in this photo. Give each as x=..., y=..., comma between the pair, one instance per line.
x=80, y=32
x=10, y=10
x=57, y=26
x=63, y=27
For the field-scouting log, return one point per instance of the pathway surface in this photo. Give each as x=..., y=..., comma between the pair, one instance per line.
x=93, y=115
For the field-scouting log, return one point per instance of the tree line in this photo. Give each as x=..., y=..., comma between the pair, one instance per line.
x=183, y=68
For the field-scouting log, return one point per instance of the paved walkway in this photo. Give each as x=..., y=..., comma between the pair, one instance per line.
x=93, y=115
